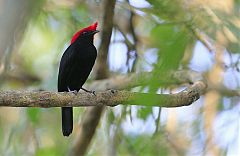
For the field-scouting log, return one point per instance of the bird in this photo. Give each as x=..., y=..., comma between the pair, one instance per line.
x=75, y=66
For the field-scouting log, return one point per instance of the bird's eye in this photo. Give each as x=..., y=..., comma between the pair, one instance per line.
x=84, y=32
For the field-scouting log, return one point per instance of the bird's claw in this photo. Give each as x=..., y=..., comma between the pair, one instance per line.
x=94, y=93
x=89, y=91
x=72, y=91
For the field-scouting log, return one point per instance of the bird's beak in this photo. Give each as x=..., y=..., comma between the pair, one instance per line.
x=94, y=32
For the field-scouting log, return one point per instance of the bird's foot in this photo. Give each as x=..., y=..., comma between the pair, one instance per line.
x=72, y=91
x=89, y=91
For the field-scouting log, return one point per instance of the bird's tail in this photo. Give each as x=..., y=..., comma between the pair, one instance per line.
x=67, y=120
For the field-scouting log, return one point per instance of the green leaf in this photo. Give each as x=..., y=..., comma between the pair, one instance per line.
x=50, y=151
x=33, y=114
x=144, y=112
x=171, y=41
x=111, y=117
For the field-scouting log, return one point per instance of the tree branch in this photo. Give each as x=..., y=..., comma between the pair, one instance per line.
x=108, y=98
x=82, y=99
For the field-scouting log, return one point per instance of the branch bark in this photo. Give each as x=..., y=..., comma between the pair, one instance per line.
x=109, y=98
x=56, y=99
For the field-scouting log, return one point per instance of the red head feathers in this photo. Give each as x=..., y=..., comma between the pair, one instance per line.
x=92, y=27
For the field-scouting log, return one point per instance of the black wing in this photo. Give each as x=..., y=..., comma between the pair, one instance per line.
x=66, y=63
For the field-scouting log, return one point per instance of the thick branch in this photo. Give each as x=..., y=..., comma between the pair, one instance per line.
x=109, y=98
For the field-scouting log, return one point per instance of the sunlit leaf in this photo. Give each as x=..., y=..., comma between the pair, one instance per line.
x=33, y=114
x=144, y=112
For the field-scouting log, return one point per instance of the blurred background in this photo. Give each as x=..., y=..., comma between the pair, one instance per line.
x=155, y=36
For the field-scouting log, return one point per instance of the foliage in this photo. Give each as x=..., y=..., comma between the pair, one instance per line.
x=167, y=35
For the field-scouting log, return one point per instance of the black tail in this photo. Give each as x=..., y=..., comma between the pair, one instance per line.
x=67, y=120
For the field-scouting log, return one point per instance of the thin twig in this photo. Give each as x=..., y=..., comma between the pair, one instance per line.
x=200, y=37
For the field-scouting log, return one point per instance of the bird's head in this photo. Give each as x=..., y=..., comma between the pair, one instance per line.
x=86, y=33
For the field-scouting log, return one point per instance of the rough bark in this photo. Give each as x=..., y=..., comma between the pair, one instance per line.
x=108, y=98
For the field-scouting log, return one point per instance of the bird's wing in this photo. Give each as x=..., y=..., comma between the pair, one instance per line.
x=65, y=64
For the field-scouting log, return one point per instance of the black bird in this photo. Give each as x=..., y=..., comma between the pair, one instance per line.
x=75, y=67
